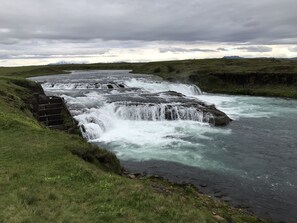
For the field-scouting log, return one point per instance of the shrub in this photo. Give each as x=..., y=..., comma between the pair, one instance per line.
x=157, y=70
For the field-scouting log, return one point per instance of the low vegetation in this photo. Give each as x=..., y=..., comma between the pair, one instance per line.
x=259, y=77
x=52, y=176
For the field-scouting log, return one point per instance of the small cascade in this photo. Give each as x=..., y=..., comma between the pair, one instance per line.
x=196, y=90
x=160, y=112
x=95, y=122
x=155, y=87
x=73, y=85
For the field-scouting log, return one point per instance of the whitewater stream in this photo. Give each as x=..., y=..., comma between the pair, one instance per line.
x=251, y=163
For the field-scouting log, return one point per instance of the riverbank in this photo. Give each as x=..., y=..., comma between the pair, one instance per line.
x=44, y=179
x=255, y=77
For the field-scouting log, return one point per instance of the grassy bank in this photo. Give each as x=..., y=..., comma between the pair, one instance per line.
x=44, y=179
x=259, y=77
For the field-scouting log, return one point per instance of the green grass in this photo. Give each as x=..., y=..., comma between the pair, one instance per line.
x=43, y=178
x=259, y=77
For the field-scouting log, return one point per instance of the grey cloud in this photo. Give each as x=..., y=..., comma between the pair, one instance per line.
x=183, y=50
x=260, y=49
x=64, y=28
x=227, y=21
x=42, y=56
x=222, y=49
x=51, y=49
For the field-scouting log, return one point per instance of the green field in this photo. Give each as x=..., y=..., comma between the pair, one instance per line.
x=44, y=179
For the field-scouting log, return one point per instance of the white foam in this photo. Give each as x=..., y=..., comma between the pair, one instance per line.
x=237, y=107
x=156, y=87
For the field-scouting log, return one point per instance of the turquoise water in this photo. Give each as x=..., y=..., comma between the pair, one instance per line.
x=250, y=163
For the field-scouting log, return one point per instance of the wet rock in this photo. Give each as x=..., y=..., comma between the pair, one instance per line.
x=109, y=86
x=83, y=129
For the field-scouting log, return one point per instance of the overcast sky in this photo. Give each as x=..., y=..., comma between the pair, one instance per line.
x=41, y=32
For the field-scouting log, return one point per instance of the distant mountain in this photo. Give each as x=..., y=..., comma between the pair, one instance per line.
x=63, y=62
x=233, y=57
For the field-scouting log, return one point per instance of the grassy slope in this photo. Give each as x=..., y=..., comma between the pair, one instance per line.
x=42, y=181
x=262, y=77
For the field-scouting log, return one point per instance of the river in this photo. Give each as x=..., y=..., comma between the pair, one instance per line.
x=250, y=163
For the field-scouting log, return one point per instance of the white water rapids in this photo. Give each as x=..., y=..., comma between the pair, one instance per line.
x=141, y=132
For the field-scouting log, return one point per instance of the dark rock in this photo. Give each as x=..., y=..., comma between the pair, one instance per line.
x=83, y=129
x=110, y=86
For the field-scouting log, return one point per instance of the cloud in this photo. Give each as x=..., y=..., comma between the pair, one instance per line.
x=260, y=49
x=183, y=50
x=293, y=49
x=223, y=49
x=64, y=28
x=168, y=20
x=51, y=49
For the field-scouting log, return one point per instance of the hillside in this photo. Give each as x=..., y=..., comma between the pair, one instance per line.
x=259, y=77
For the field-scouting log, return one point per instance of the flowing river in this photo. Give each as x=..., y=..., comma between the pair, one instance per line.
x=251, y=163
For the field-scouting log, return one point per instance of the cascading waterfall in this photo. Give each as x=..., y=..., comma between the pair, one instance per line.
x=95, y=122
x=153, y=87
x=78, y=85
x=161, y=112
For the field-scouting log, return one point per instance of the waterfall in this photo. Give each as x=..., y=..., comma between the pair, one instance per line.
x=155, y=87
x=97, y=112
x=94, y=122
x=160, y=112
x=80, y=85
